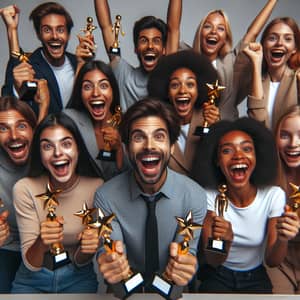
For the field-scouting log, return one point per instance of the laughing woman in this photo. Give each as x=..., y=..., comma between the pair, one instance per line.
x=94, y=100
x=276, y=74
x=214, y=39
x=256, y=225
x=180, y=79
x=60, y=162
x=286, y=277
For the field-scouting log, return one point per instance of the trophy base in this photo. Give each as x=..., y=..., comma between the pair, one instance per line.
x=166, y=289
x=107, y=155
x=115, y=51
x=28, y=90
x=216, y=246
x=201, y=131
x=124, y=289
x=60, y=260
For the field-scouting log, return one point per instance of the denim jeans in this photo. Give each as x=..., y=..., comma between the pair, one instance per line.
x=9, y=264
x=67, y=279
x=224, y=280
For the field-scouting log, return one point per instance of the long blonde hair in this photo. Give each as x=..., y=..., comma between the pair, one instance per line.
x=228, y=44
x=282, y=181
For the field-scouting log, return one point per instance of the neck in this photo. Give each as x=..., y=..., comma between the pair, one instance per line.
x=63, y=185
x=242, y=197
x=277, y=74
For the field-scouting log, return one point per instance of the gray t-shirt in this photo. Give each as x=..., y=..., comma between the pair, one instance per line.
x=132, y=82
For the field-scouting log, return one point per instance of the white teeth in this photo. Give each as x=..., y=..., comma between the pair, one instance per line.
x=294, y=153
x=182, y=99
x=150, y=54
x=15, y=145
x=239, y=166
x=97, y=102
x=60, y=163
x=150, y=159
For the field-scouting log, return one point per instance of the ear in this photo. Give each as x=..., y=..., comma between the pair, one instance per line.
x=172, y=149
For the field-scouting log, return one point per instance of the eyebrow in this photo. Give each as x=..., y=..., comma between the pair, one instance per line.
x=177, y=78
x=49, y=141
x=241, y=143
x=141, y=131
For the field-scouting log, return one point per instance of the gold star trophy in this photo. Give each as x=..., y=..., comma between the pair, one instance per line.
x=116, y=29
x=88, y=30
x=213, y=94
x=85, y=214
x=107, y=153
x=162, y=284
x=126, y=287
x=294, y=198
x=28, y=88
x=59, y=255
x=221, y=205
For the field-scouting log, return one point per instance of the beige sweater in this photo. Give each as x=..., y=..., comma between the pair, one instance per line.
x=30, y=211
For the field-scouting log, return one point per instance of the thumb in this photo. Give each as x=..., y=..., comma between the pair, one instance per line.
x=173, y=249
x=119, y=247
x=60, y=220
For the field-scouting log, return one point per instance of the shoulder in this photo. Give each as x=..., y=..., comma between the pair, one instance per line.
x=91, y=182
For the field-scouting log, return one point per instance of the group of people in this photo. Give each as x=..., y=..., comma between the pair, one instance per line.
x=53, y=166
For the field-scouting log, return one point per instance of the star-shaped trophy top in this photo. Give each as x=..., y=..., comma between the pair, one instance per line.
x=187, y=226
x=295, y=196
x=49, y=197
x=214, y=90
x=103, y=223
x=86, y=214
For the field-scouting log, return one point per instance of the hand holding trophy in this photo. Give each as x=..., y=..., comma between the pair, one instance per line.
x=163, y=284
x=86, y=48
x=28, y=88
x=221, y=205
x=117, y=29
x=59, y=255
x=127, y=286
x=295, y=198
x=107, y=153
x=213, y=94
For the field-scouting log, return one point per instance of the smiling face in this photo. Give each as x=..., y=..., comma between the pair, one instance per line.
x=59, y=154
x=278, y=46
x=236, y=158
x=183, y=93
x=97, y=95
x=213, y=35
x=54, y=37
x=149, y=48
x=15, y=136
x=149, y=152
x=288, y=141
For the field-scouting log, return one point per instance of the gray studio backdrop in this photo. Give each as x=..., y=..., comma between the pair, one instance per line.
x=240, y=12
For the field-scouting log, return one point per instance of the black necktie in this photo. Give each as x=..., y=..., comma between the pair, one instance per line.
x=151, y=238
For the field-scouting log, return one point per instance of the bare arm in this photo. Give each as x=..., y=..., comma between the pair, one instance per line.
x=10, y=16
x=259, y=22
x=173, y=22
x=105, y=23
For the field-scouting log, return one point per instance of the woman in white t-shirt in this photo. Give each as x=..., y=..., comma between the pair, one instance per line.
x=256, y=224
x=275, y=71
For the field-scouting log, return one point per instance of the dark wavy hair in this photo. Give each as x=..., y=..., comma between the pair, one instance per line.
x=76, y=102
x=199, y=64
x=48, y=8
x=85, y=164
x=206, y=170
x=150, y=107
x=148, y=22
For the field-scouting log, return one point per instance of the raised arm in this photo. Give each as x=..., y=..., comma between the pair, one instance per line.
x=259, y=22
x=105, y=23
x=173, y=22
x=10, y=16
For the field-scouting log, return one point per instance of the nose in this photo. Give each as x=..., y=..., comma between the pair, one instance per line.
x=237, y=154
x=54, y=34
x=96, y=90
x=150, y=44
x=149, y=143
x=295, y=141
x=13, y=133
x=57, y=151
x=280, y=40
x=182, y=88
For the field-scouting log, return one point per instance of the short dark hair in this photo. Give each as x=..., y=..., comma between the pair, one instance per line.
x=206, y=170
x=85, y=164
x=150, y=22
x=48, y=8
x=76, y=99
x=150, y=107
x=12, y=103
x=199, y=64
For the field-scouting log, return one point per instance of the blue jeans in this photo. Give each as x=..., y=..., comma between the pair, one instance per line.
x=224, y=280
x=9, y=264
x=67, y=279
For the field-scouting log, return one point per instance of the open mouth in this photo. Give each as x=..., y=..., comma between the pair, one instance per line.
x=55, y=46
x=238, y=171
x=277, y=54
x=149, y=57
x=292, y=154
x=17, y=147
x=182, y=103
x=97, y=107
x=61, y=167
x=211, y=41
x=150, y=161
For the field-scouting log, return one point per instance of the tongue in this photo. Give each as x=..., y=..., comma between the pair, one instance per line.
x=61, y=170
